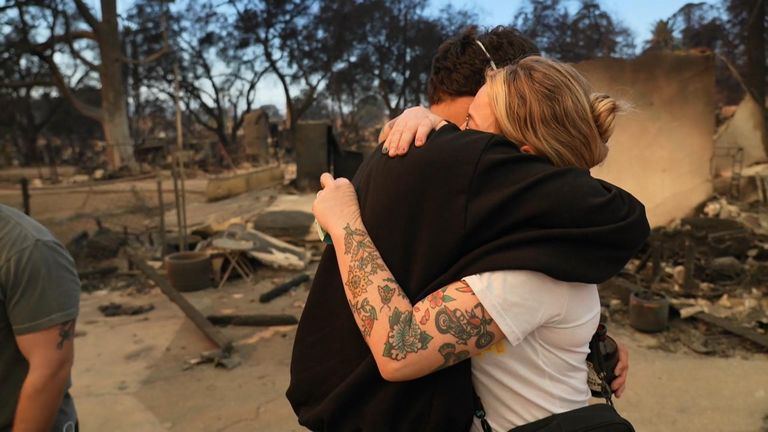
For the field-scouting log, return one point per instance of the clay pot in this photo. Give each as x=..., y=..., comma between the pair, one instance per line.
x=189, y=271
x=648, y=311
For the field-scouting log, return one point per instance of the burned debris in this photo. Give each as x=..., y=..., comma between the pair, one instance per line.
x=700, y=278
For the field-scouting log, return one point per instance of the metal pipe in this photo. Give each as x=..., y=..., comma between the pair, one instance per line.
x=180, y=159
x=177, y=199
x=161, y=206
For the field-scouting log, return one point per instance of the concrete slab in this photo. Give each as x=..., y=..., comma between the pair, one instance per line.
x=212, y=217
x=225, y=186
x=289, y=216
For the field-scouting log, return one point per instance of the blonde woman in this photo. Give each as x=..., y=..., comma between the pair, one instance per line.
x=527, y=333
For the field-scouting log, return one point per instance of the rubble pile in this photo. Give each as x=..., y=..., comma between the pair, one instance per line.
x=712, y=267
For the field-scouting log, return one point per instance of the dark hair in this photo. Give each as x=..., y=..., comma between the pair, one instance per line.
x=458, y=68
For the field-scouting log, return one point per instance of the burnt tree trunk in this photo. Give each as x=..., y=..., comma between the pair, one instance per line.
x=114, y=102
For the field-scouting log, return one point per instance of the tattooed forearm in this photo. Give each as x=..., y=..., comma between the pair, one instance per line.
x=464, y=325
x=405, y=336
x=66, y=332
x=450, y=355
x=445, y=328
x=365, y=261
x=387, y=291
x=367, y=315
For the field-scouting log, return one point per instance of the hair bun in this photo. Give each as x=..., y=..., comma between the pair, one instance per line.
x=604, y=110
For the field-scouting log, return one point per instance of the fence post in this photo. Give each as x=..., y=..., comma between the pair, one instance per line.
x=161, y=205
x=25, y=195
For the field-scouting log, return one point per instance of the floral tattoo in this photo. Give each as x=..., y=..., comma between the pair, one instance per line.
x=367, y=314
x=364, y=263
x=405, y=335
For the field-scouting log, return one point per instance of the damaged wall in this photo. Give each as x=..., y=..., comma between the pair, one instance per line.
x=661, y=148
x=746, y=130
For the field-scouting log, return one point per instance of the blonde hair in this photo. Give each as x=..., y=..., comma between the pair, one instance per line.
x=549, y=106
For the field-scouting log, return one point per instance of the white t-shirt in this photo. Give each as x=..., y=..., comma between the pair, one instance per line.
x=540, y=367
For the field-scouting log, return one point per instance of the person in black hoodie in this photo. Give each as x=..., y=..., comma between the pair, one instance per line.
x=541, y=326
x=434, y=216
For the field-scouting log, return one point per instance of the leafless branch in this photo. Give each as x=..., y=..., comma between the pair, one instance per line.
x=68, y=37
x=147, y=59
x=82, y=107
x=27, y=84
x=76, y=53
x=88, y=16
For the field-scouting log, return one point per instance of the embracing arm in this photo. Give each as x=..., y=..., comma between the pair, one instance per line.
x=407, y=340
x=50, y=354
x=412, y=126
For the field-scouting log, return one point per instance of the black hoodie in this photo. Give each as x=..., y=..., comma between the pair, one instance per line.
x=465, y=203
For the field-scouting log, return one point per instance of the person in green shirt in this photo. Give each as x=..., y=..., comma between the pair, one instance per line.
x=39, y=303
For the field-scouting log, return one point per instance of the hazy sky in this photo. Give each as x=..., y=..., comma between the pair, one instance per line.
x=638, y=15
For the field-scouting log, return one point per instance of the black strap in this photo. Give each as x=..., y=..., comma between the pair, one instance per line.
x=480, y=413
x=599, y=366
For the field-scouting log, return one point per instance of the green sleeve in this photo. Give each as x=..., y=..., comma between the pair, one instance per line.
x=42, y=287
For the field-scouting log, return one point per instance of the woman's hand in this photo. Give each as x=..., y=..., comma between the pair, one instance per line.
x=399, y=133
x=336, y=205
x=619, y=383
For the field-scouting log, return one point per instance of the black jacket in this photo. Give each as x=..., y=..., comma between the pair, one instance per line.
x=465, y=203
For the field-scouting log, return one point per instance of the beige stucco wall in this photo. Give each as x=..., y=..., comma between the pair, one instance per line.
x=746, y=130
x=661, y=148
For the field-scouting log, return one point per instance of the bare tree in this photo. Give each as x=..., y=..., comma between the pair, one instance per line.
x=266, y=26
x=33, y=107
x=588, y=33
x=92, y=44
x=218, y=78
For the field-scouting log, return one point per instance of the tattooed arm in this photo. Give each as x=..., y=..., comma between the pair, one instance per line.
x=407, y=340
x=50, y=354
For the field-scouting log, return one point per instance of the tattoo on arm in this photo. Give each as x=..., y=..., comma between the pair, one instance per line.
x=367, y=275
x=463, y=325
x=405, y=336
x=466, y=324
x=450, y=355
x=367, y=314
x=365, y=261
x=66, y=332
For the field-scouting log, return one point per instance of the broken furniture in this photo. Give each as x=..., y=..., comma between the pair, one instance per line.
x=264, y=248
x=234, y=250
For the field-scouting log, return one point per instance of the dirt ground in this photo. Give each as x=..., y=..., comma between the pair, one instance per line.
x=130, y=372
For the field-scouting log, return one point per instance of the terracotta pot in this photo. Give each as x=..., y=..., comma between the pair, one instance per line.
x=648, y=311
x=189, y=271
